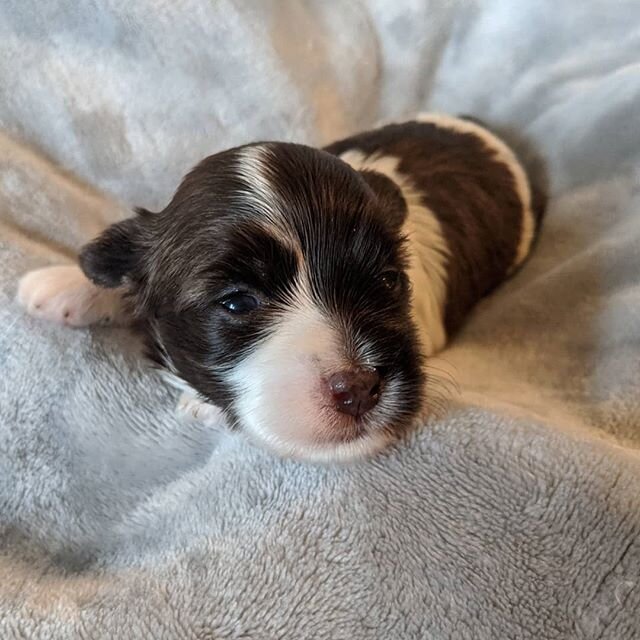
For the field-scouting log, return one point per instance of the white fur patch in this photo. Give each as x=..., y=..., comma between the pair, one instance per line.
x=191, y=407
x=252, y=164
x=282, y=401
x=428, y=250
x=503, y=154
x=64, y=295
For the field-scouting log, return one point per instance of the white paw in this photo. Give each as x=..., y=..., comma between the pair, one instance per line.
x=190, y=407
x=64, y=295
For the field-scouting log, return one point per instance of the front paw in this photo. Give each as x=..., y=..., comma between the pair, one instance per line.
x=64, y=295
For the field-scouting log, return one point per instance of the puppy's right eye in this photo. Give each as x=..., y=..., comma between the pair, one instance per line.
x=239, y=303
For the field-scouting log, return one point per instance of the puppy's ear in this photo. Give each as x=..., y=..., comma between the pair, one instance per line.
x=389, y=197
x=114, y=254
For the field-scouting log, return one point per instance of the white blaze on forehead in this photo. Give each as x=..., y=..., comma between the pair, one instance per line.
x=253, y=166
x=503, y=154
x=428, y=250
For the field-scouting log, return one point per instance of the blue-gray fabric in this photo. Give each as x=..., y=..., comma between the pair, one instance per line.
x=513, y=513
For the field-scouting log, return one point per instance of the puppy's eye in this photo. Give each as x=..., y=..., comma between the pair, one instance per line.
x=390, y=279
x=239, y=303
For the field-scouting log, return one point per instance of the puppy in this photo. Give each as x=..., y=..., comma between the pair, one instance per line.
x=296, y=292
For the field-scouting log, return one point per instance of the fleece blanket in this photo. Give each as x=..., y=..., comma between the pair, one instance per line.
x=514, y=512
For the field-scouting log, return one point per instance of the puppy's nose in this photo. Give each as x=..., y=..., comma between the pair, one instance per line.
x=355, y=391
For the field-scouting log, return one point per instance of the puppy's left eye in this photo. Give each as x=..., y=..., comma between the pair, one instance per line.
x=390, y=279
x=239, y=303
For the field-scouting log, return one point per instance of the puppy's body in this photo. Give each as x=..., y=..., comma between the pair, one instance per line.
x=300, y=290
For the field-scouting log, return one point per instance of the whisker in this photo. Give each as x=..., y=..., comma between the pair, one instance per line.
x=439, y=358
x=441, y=385
x=444, y=372
x=443, y=378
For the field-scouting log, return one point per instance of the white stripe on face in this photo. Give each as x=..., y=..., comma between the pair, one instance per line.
x=253, y=167
x=428, y=251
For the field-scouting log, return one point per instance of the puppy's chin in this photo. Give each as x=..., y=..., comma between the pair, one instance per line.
x=361, y=447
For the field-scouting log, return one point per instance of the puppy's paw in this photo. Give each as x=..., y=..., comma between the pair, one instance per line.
x=192, y=408
x=64, y=295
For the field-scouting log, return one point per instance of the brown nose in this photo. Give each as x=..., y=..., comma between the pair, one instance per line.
x=355, y=391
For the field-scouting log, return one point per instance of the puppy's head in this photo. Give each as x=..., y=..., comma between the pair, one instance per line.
x=274, y=283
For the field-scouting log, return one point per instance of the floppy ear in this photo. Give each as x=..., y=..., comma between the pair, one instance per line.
x=114, y=254
x=389, y=196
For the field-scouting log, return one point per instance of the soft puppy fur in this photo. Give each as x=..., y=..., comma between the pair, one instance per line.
x=301, y=290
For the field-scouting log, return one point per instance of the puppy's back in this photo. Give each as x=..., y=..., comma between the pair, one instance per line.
x=483, y=204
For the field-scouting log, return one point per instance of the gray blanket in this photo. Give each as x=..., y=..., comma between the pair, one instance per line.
x=514, y=512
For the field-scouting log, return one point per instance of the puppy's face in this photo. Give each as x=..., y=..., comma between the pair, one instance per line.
x=274, y=283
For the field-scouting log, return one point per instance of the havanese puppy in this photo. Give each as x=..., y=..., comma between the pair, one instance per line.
x=297, y=293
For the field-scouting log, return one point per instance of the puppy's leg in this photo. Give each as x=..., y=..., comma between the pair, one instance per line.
x=64, y=295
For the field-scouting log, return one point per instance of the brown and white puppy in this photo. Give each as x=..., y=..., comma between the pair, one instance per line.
x=297, y=292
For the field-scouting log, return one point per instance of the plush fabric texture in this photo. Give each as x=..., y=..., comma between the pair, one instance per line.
x=513, y=513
